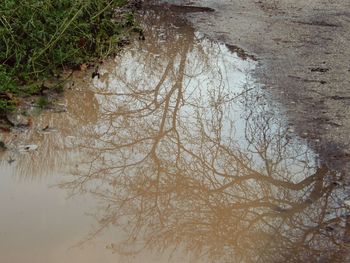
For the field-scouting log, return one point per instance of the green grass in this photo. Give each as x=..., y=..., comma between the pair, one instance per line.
x=39, y=38
x=42, y=102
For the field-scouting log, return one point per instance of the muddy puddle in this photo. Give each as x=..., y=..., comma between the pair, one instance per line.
x=171, y=153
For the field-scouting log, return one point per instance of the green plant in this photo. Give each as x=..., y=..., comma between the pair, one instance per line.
x=43, y=102
x=39, y=38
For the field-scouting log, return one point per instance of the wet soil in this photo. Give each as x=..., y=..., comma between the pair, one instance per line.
x=171, y=152
x=303, y=49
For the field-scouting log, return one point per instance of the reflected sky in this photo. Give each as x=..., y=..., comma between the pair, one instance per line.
x=174, y=148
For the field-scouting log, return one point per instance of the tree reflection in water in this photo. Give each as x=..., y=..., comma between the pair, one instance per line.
x=187, y=153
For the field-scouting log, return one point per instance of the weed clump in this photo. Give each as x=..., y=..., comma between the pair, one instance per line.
x=39, y=38
x=43, y=102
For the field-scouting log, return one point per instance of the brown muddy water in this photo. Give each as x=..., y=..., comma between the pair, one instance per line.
x=173, y=153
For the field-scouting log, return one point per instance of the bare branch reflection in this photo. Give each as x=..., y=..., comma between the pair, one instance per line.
x=186, y=153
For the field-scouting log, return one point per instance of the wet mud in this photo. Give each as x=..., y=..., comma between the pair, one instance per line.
x=171, y=152
x=303, y=50
x=180, y=9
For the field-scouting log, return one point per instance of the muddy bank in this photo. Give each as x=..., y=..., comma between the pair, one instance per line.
x=304, y=52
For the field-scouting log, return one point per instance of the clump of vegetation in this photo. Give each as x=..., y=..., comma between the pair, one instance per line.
x=39, y=38
x=43, y=102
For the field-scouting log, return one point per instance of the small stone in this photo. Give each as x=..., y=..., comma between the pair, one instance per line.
x=28, y=148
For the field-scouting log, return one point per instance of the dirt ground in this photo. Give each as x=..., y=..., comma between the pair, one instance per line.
x=303, y=49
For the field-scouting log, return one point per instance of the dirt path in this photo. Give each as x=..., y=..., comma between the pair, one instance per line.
x=304, y=53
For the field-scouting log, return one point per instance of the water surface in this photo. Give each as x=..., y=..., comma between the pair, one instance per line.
x=173, y=153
